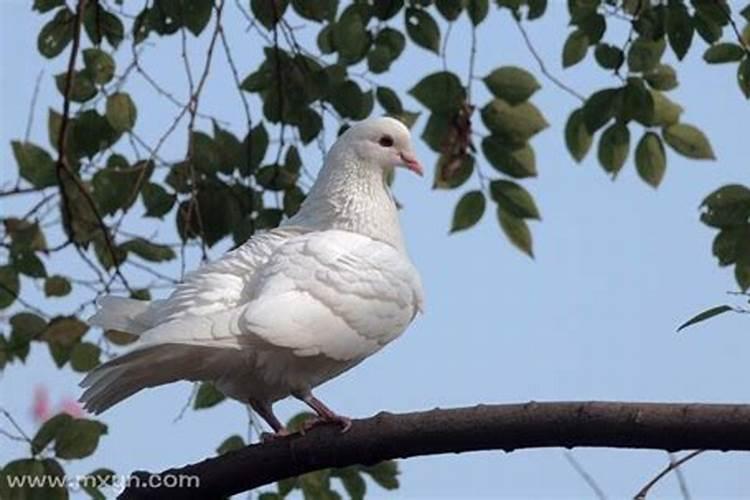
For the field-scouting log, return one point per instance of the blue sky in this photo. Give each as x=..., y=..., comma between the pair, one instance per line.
x=618, y=266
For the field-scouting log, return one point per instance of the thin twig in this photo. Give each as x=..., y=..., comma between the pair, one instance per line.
x=62, y=160
x=32, y=106
x=680, y=478
x=588, y=479
x=15, y=425
x=193, y=110
x=186, y=406
x=472, y=59
x=641, y=495
x=542, y=66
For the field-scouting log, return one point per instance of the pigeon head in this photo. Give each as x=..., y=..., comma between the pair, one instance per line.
x=382, y=143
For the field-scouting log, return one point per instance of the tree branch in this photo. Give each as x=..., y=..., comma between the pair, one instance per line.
x=506, y=427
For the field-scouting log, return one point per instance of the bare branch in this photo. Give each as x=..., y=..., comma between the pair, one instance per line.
x=484, y=427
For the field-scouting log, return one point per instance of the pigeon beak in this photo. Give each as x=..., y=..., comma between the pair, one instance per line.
x=410, y=162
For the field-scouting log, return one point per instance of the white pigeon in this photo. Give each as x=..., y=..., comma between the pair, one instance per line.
x=291, y=308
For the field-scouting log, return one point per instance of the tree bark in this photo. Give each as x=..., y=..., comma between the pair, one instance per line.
x=507, y=427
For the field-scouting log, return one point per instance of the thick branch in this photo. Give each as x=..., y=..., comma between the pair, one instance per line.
x=508, y=427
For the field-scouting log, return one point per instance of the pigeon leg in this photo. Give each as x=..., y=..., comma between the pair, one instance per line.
x=325, y=414
x=265, y=411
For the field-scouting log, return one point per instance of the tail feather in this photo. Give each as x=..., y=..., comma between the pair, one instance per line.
x=151, y=366
x=120, y=313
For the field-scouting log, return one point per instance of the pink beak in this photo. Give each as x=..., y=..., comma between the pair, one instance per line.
x=412, y=164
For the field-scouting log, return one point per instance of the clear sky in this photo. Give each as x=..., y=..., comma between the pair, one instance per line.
x=618, y=266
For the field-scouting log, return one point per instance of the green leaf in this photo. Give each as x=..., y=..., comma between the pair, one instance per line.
x=23, y=471
x=518, y=162
x=268, y=12
x=707, y=314
x=742, y=276
x=34, y=164
x=575, y=48
x=379, y=59
x=452, y=172
x=232, y=443
x=422, y=29
x=208, y=396
x=709, y=30
x=513, y=198
x=293, y=199
x=449, y=9
x=83, y=87
x=43, y=6
x=745, y=12
x=601, y=107
x=157, y=201
x=26, y=262
x=725, y=244
x=99, y=65
x=679, y=28
x=49, y=431
x=149, y=251
x=120, y=338
x=593, y=25
x=577, y=137
x=477, y=10
x=468, y=211
x=385, y=474
x=728, y=196
x=121, y=112
x=644, y=54
x=353, y=482
x=56, y=286
x=206, y=155
x=608, y=56
x=516, y=230
x=389, y=101
x=350, y=36
x=666, y=112
x=27, y=326
x=743, y=76
x=516, y=123
x=689, y=141
x=196, y=14
x=440, y=92
x=254, y=146
x=350, y=101
x=650, y=159
x=97, y=479
x=723, y=53
x=537, y=8
x=65, y=330
x=117, y=188
x=56, y=34
x=512, y=84
x=84, y=357
x=91, y=134
x=662, y=77
x=79, y=438
x=10, y=286
x=613, y=147
x=637, y=102
x=315, y=11
x=98, y=22
x=393, y=39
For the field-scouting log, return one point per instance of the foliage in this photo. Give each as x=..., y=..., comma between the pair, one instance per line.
x=98, y=174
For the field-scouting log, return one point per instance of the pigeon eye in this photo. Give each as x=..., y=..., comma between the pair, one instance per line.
x=386, y=141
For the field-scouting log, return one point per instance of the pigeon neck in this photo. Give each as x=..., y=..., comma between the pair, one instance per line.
x=351, y=197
